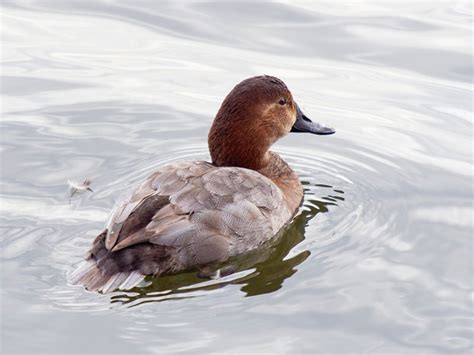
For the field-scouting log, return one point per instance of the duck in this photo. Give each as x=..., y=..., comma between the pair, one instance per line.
x=192, y=215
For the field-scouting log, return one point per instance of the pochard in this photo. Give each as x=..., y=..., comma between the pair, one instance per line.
x=190, y=215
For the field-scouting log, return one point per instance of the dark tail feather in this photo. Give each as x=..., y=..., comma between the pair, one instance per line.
x=89, y=275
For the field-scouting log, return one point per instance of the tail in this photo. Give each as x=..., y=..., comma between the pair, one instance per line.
x=89, y=275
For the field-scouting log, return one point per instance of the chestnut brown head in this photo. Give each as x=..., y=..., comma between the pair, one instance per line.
x=254, y=115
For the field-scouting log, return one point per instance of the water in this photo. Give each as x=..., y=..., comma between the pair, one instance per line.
x=379, y=259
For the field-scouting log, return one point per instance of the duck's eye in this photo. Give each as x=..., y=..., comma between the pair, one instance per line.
x=282, y=102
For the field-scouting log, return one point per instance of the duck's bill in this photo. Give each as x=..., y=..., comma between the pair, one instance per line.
x=305, y=125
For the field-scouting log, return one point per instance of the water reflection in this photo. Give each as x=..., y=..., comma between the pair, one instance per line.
x=263, y=271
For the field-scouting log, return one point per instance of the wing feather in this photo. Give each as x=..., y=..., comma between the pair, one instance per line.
x=203, y=211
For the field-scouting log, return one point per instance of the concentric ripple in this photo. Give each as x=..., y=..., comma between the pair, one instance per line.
x=267, y=270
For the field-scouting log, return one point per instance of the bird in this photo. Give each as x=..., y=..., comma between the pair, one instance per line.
x=196, y=215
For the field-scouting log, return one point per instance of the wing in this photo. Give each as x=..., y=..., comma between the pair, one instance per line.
x=136, y=208
x=204, y=212
x=224, y=212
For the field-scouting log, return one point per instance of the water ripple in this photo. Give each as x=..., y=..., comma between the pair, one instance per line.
x=377, y=260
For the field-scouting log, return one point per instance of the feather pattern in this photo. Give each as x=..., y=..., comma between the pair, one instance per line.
x=181, y=217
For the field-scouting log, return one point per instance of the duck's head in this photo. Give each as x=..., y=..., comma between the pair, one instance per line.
x=254, y=115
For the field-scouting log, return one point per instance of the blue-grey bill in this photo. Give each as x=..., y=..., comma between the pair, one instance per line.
x=305, y=125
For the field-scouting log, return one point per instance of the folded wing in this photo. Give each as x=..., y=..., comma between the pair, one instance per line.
x=192, y=214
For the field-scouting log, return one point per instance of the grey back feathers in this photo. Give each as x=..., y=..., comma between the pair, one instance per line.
x=184, y=216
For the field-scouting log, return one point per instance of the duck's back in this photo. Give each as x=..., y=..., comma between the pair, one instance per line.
x=184, y=216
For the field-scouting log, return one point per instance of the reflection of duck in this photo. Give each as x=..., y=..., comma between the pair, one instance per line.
x=190, y=215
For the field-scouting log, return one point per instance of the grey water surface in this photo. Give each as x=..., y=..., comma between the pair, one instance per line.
x=379, y=259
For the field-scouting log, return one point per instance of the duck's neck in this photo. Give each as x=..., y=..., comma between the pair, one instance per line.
x=285, y=178
x=237, y=146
